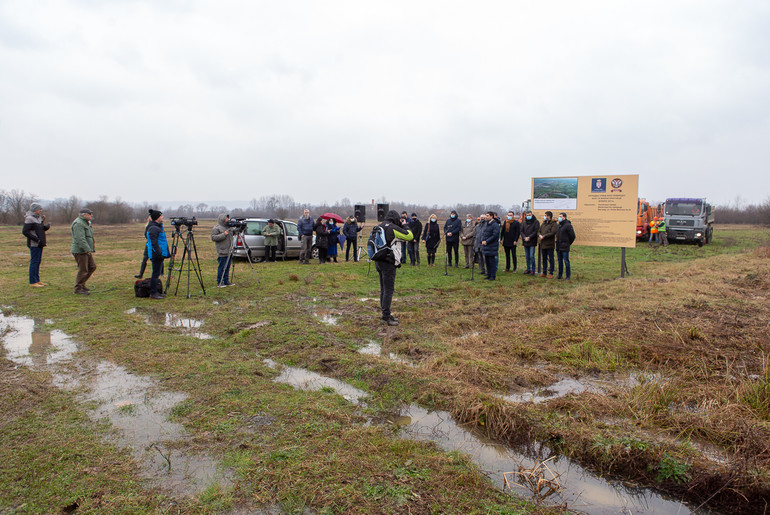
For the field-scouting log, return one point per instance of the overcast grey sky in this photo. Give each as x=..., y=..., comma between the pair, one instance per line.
x=434, y=102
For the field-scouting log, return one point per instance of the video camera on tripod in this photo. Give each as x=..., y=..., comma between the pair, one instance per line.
x=236, y=224
x=183, y=221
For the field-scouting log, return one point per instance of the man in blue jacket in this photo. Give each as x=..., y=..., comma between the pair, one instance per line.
x=452, y=229
x=157, y=251
x=305, y=227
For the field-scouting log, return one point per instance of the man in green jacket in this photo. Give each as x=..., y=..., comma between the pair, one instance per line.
x=271, y=233
x=83, y=249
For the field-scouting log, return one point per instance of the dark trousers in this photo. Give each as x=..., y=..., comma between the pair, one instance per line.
x=387, y=273
x=86, y=268
x=270, y=252
x=547, y=261
x=414, y=252
x=143, y=266
x=491, y=262
x=306, y=250
x=431, y=257
x=322, y=251
x=403, y=252
x=563, y=259
x=510, y=255
x=35, y=257
x=351, y=242
x=453, y=246
x=157, y=269
x=223, y=270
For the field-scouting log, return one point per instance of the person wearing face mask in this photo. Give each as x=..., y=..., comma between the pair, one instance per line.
x=432, y=237
x=546, y=236
x=509, y=235
x=413, y=246
x=452, y=229
x=334, y=239
x=405, y=224
x=321, y=239
x=467, y=234
x=565, y=236
x=490, y=244
x=529, y=230
x=478, y=236
x=350, y=230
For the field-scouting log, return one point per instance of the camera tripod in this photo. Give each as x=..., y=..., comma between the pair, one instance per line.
x=230, y=262
x=190, y=251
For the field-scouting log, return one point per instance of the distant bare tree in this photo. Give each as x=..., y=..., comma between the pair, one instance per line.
x=16, y=204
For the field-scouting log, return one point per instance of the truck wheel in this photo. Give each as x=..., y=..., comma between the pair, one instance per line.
x=709, y=235
x=700, y=242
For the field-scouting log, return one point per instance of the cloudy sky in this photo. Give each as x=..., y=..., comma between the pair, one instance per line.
x=436, y=102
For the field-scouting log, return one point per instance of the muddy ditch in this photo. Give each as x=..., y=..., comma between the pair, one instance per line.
x=577, y=487
x=135, y=406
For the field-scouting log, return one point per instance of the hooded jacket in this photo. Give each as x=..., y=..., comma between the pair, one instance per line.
x=34, y=230
x=394, y=235
x=223, y=241
x=350, y=230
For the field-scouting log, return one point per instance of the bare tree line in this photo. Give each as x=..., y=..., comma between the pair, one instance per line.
x=15, y=203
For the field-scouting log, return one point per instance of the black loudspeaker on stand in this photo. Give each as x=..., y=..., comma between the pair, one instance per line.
x=382, y=210
x=359, y=211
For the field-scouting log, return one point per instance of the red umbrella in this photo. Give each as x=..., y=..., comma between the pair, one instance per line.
x=336, y=218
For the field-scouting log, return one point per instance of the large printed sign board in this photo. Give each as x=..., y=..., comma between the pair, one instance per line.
x=602, y=208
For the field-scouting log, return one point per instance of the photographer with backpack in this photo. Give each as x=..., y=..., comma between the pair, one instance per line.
x=384, y=248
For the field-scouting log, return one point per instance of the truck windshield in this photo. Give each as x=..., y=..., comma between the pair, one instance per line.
x=683, y=208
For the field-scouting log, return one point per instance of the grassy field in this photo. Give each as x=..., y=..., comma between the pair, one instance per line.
x=690, y=324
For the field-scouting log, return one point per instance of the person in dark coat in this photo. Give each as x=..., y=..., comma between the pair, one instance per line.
x=321, y=239
x=490, y=244
x=350, y=230
x=145, y=257
x=415, y=225
x=34, y=229
x=452, y=229
x=529, y=230
x=395, y=233
x=547, y=235
x=481, y=224
x=565, y=236
x=432, y=237
x=157, y=251
x=334, y=239
x=509, y=235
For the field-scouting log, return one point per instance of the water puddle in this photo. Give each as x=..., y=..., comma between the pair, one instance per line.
x=568, y=386
x=581, y=490
x=189, y=326
x=373, y=348
x=327, y=317
x=134, y=405
x=311, y=381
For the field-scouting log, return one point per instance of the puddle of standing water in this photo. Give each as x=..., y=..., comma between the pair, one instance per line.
x=134, y=405
x=307, y=380
x=375, y=349
x=581, y=490
x=190, y=326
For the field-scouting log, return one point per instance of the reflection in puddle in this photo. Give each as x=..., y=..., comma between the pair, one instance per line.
x=134, y=405
x=375, y=349
x=307, y=380
x=190, y=325
x=554, y=391
x=581, y=490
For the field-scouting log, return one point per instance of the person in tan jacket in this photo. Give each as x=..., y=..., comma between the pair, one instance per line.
x=467, y=233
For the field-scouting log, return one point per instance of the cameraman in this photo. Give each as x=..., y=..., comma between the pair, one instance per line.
x=223, y=240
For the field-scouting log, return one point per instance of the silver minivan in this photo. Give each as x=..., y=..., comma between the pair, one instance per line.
x=288, y=240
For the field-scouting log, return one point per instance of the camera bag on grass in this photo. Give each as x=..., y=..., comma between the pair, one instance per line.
x=377, y=247
x=142, y=288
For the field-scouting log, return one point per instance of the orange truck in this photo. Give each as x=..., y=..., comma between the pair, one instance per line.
x=645, y=214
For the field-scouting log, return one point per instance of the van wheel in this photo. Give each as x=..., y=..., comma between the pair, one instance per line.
x=314, y=253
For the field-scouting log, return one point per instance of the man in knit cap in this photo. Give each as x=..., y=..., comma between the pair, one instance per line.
x=34, y=229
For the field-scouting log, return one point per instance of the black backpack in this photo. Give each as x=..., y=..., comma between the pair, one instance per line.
x=142, y=288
